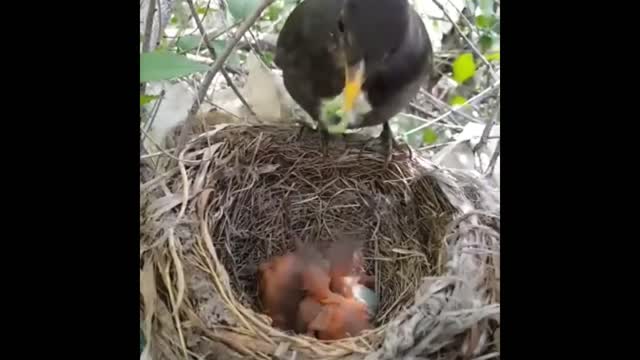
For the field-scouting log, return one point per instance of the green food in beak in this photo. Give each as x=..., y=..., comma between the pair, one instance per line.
x=333, y=116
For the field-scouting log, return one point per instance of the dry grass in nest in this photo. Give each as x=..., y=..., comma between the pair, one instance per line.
x=208, y=224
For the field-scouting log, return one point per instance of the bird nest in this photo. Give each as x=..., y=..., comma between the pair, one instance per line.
x=242, y=194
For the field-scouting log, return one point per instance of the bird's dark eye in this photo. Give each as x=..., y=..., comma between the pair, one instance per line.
x=340, y=25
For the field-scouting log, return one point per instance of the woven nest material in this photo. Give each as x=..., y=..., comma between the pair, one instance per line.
x=242, y=194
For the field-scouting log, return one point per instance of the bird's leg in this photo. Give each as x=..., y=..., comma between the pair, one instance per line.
x=324, y=138
x=303, y=127
x=386, y=136
x=388, y=142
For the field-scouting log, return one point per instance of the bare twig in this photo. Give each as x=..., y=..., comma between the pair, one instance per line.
x=206, y=12
x=236, y=91
x=437, y=102
x=447, y=125
x=154, y=111
x=464, y=18
x=146, y=40
x=159, y=23
x=163, y=151
x=494, y=159
x=212, y=52
x=473, y=47
x=478, y=97
x=422, y=110
x=206, y=82
x=148, y=26
x=487, y=129
x=246, y=24
x=255, y=47
x=429, y=147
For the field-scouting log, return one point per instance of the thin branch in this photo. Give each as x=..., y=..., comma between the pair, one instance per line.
x=246, y=24
x=418, y=118
x=163, y=151
x=464, y=18
x=206, y=82
x=422, y=110
x=159, y=23
x=478, y=97
x=146, y=40
x=236, y=91
x=255, y=47
x=148, y=26
x=437, y=102
x=487, y=129
x=435, y=146
x=154, y=112
x=473, y=47
x=494, y=159
x=212, y=52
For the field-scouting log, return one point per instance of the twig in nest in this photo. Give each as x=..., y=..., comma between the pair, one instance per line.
x=473, y=47
x=206, y=82
x=212, y=52
x=163, y=151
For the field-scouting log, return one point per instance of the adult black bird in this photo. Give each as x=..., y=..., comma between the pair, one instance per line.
x=370, y=56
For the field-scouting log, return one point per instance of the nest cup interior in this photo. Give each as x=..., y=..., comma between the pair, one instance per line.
x=272, y=189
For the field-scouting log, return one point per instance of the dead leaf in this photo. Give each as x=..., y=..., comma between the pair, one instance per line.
x=149, y=296
x=177, y=263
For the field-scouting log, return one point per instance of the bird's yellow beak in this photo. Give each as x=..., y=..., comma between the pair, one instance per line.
x=353, y=85
x=332, y=111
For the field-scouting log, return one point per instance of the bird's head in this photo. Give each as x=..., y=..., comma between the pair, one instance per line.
x=366, y=33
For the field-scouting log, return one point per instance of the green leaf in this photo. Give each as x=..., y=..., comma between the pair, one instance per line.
x=267, y=57
x=240, y=9
x=188, y=43
x=429, y=136
x=145, y=99
x=202, y=10
x=493, y=56
x=218, y=46
x=174, y=20
x=486, y=21
x=486, y=7
x=463, y=68
x=273, y=12
x=162, y=65
x=457, y=101
x=486, y=41
x=142, y=341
